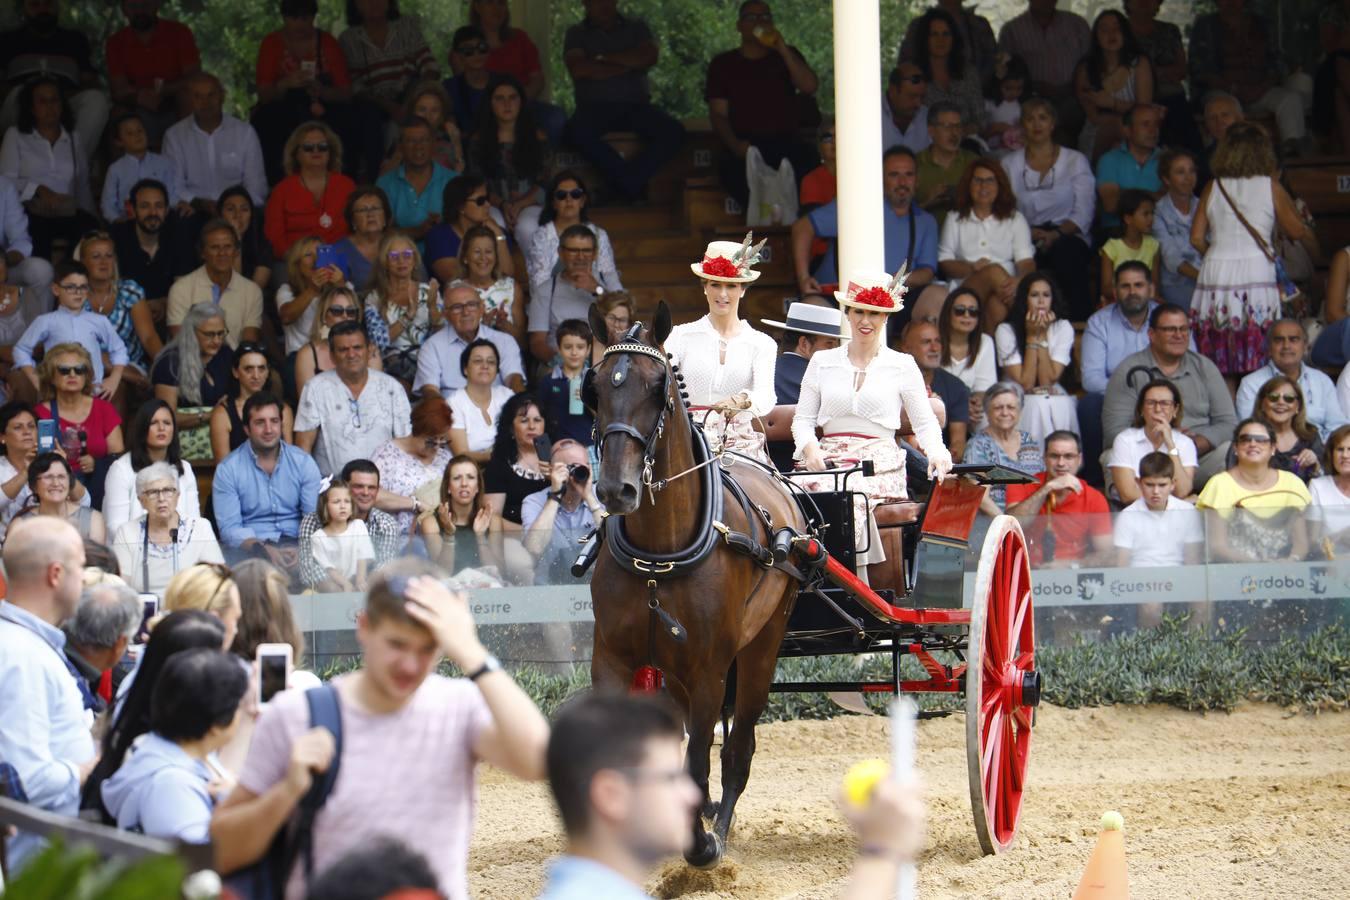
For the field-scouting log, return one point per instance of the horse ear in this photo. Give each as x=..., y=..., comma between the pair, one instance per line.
x=661, y=324
x=599, y=328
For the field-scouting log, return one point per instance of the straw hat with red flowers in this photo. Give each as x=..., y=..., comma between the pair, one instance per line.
x=729, y=262
x=875, y=292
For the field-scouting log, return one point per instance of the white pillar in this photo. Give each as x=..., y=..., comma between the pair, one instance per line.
x=857, y=135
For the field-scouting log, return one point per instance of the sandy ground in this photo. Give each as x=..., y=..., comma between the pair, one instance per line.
x=1252, y=804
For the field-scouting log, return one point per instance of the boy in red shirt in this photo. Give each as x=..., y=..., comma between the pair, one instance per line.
x=1066, y=520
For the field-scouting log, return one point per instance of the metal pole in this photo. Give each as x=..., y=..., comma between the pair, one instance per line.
x=857, y=130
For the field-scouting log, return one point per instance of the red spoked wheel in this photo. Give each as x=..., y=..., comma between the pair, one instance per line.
x=1002, y=685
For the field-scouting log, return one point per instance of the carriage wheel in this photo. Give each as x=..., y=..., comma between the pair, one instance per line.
x=1002, y=686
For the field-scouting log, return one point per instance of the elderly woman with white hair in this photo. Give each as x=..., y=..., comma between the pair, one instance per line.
x=192, y=374
x=163, y=541
x=1002, y=442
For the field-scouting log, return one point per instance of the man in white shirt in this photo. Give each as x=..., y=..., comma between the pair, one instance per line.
x=213, y=150
x=438, y=362
x=904, y=117
x=1286, y=343
x=217, y=282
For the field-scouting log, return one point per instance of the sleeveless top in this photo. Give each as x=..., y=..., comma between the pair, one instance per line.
x=237, y=435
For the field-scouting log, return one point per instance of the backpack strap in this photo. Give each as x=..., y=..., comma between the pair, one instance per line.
x=326, y=712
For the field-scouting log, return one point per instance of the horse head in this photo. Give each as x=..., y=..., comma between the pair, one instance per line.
x=631, y=394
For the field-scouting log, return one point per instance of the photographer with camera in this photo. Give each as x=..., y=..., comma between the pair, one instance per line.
x=556, y=516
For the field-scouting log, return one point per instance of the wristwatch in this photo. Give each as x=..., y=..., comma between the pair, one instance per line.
x=1174, y=452
x=491, y=664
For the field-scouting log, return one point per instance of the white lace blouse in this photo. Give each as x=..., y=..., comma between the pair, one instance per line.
x=750, y=360
x=542, y=255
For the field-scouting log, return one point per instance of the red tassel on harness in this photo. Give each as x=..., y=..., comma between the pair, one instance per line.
x=647, y=680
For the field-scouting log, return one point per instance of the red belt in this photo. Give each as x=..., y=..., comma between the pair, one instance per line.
x=870, y=437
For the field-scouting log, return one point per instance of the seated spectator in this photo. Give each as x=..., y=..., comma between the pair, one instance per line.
x=362, y=478
x=219, y=282
x=406, y=464
x=1328, y=518
x=401, y=310
x=565, y=202
x=922, y=340
x=567, y=295
x=555, y=517
x=812, y=324
x=514, y=470
x=1172, y=220
x=349, y=412
x=967, y=352
x=305, y=281
x=311, y=198
x=153, y=547
x=152, y=438
x=12, y=323
x=265, y=617
x=335, y=304
x=263, y=488
x=1298, y=446
x=153, y=247
x=430, y=102
x=1157, y=421
x=1002, y=441
x=461, y=533
x=1003, y=106
x=464, y=206
x=1221, y=111
x=192, y=375
x=1131, y=164
x=560, y=392
x=986, y=243
x=477, y=406
x=340, y=545
x=1052, y=42
x=49, y=480
x=942, y=163
x=48, y=168
x=122, y=302
x=22, y=268
x=1034, y=346
x=1162, y=43
x=99, y=633
x=1259, y=508
x=18, y=432
x=1332, y=347
x=416, y=187
x=149, y=63
x=514, y=170
x=1055, y=193
x=1207, y=404
x=1112, y=80
x=255, y=254
x=1158, y=528
x=252, y=375
x=137, y=163
x=1066, y=520
x=756, y=94
x=608, y=56
x=942, y=55
x=904, y=115
x=88, y=429
x=503, y=300
x=369, y=218
x=1286, y=346
x=39, y=49
x=467, y=87
x=1116, y=331
x=818, y=187
x=1136, y=242
x=386, y=53
x=512, y=54
x=213, y=150
x=618, y=310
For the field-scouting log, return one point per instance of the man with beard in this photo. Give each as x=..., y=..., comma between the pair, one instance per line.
x=149, y=62
x=152, y=249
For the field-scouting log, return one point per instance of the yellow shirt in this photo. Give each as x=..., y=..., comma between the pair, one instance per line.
x=1223, y=493
x=1119, y=252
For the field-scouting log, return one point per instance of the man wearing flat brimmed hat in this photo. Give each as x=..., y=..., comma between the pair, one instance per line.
x=812, y=324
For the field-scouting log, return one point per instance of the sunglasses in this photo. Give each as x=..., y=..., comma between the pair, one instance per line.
x=574, y=193
x=226, y=577
x=73, y=370
x=249, y=347
x=1278, y=397
x=401, y=254
x=315, y=148
x=347, y=312
x=477, y=49
x=966, y=310
x=1253, y=439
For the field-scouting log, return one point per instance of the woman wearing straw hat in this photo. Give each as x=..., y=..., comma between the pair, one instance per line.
x=728, y=366
x=856, y=394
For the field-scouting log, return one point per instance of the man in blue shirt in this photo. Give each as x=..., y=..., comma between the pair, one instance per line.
x=415, y=188
x=263, y=488
x=1134, y=164
x=555, y=517
x=1286, y=342
x=45, y=728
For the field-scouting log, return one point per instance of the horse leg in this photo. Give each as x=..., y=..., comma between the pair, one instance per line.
x=705, y=704
x=608, y=672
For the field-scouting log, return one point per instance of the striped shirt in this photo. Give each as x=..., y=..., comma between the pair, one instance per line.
x=1051, y=54
x=385, y=72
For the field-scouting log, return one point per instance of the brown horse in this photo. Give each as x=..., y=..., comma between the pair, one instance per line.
x=731, y=608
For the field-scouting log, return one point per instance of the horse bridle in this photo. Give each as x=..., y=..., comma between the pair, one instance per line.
x=626, y=349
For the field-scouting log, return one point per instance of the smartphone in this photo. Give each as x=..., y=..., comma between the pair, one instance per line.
x=274, y=669
x=46, y=435
x=543, y=448
x=325, y=256
x=149, y=609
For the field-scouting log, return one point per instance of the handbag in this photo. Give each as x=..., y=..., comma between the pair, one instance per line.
x=1290, y=292
x=1260, y=538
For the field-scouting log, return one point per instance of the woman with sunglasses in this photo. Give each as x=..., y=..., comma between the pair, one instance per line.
x=311, y=198
x=192, y=374
x=152, y=547
x=255, y=254
x=464, y=204
x=1298, y=445
x=401, y=310
x=304, y=279
x=986, y=243
x=409, y=463
x=50, y=479
x=336, y=304
x=368, y=215
x=967, y=352
x=123, y=302
x=564, y=206
x=503, y=300
x=88, y=427
x=1258, y=508
x=1157, y=429
x=153, y=438
x=252, y=374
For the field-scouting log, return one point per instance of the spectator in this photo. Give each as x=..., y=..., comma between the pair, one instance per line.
x=1157, y=421
x=39, y=50
x=252, y=375
x=502, y=298
x=208, y=587
x=818, y=187
x=1132, y=164
x=626, y=802
x=347, y=413
x=220, y=283
x=618, y=310
x=1158, y=528
x=608, y=56
x=1161, y=43
x=1114, y=78
x=477, y=406
x=986, y=243
x=1034, y=346
x=153, y=439
x=1116, y=331
x=49, y=481
x=512, y=54
x=560, y=392
x=305, y=281
x=153, y=248
x=340, y=545
x=565, y=206
x=555, y=517
x=312, y=197
x=369, y=217
x=98, y=634
x=1236, y=295
x=12, y=323
x=18, y=428
x=904, y=115
x=755, y=96
x=1208, y=406
x=263, y=488
x=214, y=150
x=1002, y=441
x=967, y=352
x=136, y=163
x=467, y=87
x=1221, y=111
x=1172, y=221
x=1330, y=524
x=514, y=470
x=569, y=294
x=1298, y=446
x=192, y=375
x=942, y=163
x=922, y=340
x=408, y=463
x=812, y=324
x=430, y=102
x=1051, y=42
x=513, y=157
x=417, y=741
x=149, y=63
x=362, y=478
x=1066, y=520
x=1286, y=346
x=121, y=301
x=401, y=310
x=1331, y=89
x=255, y=255
x=464, y=206
x=380, y=867
x=974, y=32
x=386, y=53
x=1055, y=192
x=88, y=427
x=942, y=55
x=335, y=305
x=462, y=533
x=152, y=548
x=266, y=618
x=21, y=267
x=1003, y=106
x=1235, y=50
x=416, y=187
x=44, y=734
x=1259, y=508
x=48, y=166
x=1136, y=243
x=1331, y=349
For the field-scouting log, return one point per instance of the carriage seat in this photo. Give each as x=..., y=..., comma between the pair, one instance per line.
x=897, y=512
x=892, y=519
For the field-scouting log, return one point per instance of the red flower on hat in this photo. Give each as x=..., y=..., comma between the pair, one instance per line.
x=720, y=267
x=875, y=296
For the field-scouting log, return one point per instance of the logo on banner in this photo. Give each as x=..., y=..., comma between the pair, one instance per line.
x=1091, y=587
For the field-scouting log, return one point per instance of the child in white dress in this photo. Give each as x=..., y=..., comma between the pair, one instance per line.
x=342, y=546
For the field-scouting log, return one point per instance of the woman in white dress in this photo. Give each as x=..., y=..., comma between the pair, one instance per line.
x=728, y=366
x=1034, y=345
x=856, y=394
x=477, y=406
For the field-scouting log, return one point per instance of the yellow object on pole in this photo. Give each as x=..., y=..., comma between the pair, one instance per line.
x=857, y=136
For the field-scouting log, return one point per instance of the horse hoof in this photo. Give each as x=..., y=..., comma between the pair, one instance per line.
x=710, y=854
x=710, y=810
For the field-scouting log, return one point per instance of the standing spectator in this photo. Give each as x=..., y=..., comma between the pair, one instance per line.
x=255, y=255
x=439, y=369
x=149, y=62
x=503, y=300
x=18, y=428
x=416, y=737
x=755, y=95
x=967, y=352
x=192, y=375
x=1236, y=295
x=1298, y=447
x=942, y=163
x=362, y=478
x=1056, y=193
x=430, y=102
x=347, y=413
x=48, y=166
x=71, y=323
x=136, y=163
x=986, y=243
x=465, y=205
x=97, y=636
x=1066, y=520
x=942, y=55
x=313, y=195
x=922, y=340
x=1327, y=517
x=513, y=156
x=565, y=415
x=1114, y=78
x=31, y=273
x=408, y=463
x=812, y=324
x=1286, y=346
x=569, y=294
x=122, y=302
x=386, y=52
x=904, y=115
x=565, y=203
x=1131, y=164
x=369, y=217
x=88, y=426
x=975, y=33
x=152, y=438
x=467, y=87
x=1259, y=508
x=49, y=481
x=220, y=283
x=514, y=470
x=1159, y=528
x=1172, y=220
x=1157, y=422
x=1161, y=42
x=401, y=310
x=252, y=375
x=214, y=150
x=416, y=187
x=608, y=56
x=1051, y=42
x=151, y=549
x=1034, y=346
x=555, y=517
x=512, y=54
x=1136, y=243
x=1002, y=441
x=297, y=300
x=477, y=406
x=44, y=734
x=153, y=247
x=462, y=532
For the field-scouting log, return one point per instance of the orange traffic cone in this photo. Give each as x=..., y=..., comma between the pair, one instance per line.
x=1105, y=877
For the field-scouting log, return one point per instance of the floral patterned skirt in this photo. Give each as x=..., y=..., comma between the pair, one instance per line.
x=1235, y=302
x=887, y=483
x=737, y=433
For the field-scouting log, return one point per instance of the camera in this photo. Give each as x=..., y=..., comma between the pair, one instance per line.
x=579, y=474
